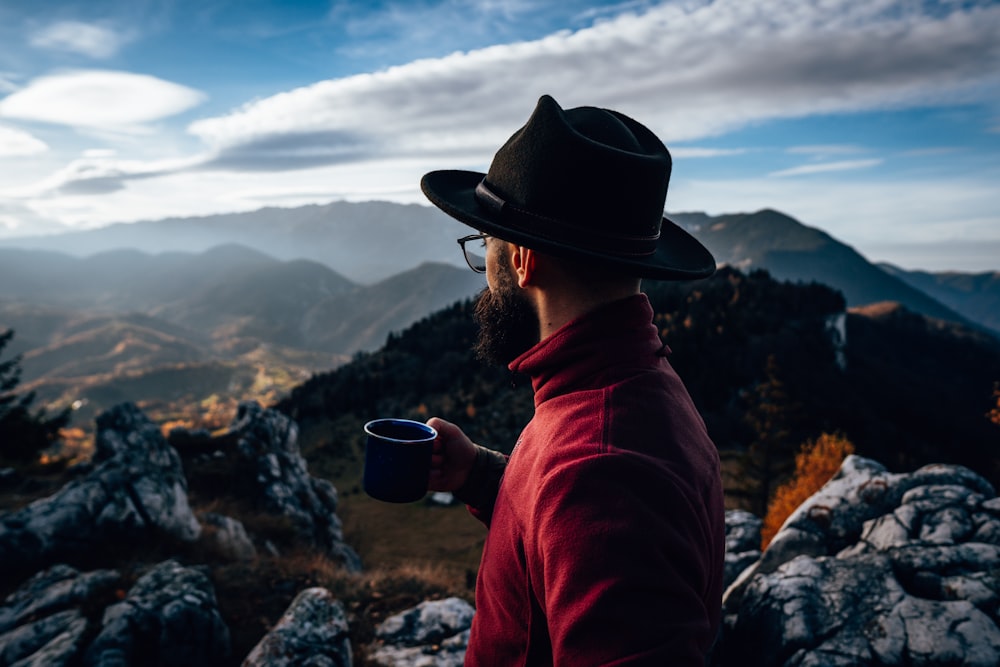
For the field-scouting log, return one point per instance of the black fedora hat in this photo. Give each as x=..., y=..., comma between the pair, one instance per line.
x=585, y=183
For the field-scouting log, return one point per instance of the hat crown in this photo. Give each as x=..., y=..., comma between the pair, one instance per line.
x=593, y=169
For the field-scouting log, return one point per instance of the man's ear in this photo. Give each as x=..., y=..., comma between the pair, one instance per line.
x=524, y=262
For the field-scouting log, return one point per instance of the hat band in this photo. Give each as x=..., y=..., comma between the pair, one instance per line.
x=556, y=230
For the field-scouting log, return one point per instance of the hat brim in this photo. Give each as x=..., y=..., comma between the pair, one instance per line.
x=678, y=256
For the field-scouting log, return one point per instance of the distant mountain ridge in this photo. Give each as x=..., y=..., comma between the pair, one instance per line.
x=366, y=242
x=369, y=242
x=219, y=321
x=976, y=295
x=792, y=251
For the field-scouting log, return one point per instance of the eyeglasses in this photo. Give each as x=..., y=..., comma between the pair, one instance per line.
x=475, y=260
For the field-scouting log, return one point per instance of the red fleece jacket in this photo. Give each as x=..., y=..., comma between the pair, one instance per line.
x=607, y=535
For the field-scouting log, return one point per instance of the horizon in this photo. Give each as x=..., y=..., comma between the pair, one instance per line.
x=878, y=123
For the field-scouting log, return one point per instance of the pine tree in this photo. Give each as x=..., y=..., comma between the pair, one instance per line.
x=23, y=435
x=770, y=417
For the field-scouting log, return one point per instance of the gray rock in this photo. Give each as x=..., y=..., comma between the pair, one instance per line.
x=312, y=632
x=168, y=618
x=51, y=640
x=742, y=543
x=45, y=621
x=136, y=488
x=432, y=634
x=269, y=460
x=227, y=537
x=56, y=589
x=449, y=653
x=875, y=568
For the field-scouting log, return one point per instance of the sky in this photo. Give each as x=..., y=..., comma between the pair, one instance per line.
x=877, y=121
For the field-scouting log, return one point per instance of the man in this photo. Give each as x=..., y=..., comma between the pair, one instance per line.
x=606, y=523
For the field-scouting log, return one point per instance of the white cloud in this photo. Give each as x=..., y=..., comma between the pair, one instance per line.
x=825, y=150
x=684, y=152
x=89, y=39
x=688, y=71
x=99, y=99
x=17, y=143
x=843, y=165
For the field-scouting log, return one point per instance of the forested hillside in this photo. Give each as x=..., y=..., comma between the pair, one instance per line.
x=760, y=357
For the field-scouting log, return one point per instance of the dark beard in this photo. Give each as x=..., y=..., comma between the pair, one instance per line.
x=508, y=325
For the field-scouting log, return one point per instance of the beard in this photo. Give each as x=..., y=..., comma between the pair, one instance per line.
x=508, y=324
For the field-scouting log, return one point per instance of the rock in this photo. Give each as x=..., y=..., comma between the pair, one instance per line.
x=875, y=568
x=434, y=633
x=227, y=537
x=742, y=543
x=274, y=472
x=312, y=632
x=43, y=622
x=168, y=618
x=136, y=489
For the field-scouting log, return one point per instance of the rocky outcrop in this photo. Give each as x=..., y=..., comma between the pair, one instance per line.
x=270, y=473
x=313, y=631
x=742, y=543
x=432, y=634
x=64, y=617
x=875, y=568
x=136, y=490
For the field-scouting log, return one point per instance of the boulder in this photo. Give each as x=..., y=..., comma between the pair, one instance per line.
x=742, y=543
x=875, y=568
x=313, y=631
x=227, y=537
x=432, y=634
x=169, y=618
x=135, y=490
x=274, y=475
x=46, y=621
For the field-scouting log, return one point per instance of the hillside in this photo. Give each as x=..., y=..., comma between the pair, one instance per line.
x=973, y=295
x=887, y=397
x=789, y=250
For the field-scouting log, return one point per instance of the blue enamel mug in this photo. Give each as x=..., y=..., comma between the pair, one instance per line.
x=397, y=459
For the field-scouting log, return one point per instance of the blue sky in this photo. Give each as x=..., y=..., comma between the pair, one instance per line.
x=877, y=121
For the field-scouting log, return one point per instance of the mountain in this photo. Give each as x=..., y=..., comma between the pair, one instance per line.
x=366, y=242
x=231, y=321
x=974, y=295
x=369, y=242
x=792, y=251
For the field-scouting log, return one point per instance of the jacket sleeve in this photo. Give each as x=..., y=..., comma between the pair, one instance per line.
x=621, y=565
x=479, y=492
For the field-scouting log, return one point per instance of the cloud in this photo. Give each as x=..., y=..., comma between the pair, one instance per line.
x=89, y=39
x=683, y=152
x=825, y=167
x=16, y=143
x=99, y=99
x=689, y=71
x=825, y=150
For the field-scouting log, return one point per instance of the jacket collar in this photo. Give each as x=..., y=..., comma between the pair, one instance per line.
x=588, y=351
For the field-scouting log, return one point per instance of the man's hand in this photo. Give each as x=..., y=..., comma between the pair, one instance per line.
x=453, y=456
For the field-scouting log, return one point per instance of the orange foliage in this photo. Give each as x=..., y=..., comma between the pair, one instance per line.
x=994, y=414
x=817, y=461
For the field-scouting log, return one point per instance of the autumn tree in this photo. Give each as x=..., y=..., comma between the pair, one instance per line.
x=23, y=435
x=816, y=463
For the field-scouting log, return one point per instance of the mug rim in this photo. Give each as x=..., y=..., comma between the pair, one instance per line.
x=430, y=432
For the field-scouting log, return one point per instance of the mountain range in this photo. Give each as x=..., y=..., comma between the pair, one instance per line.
x=368, y=242
x=213, y=304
